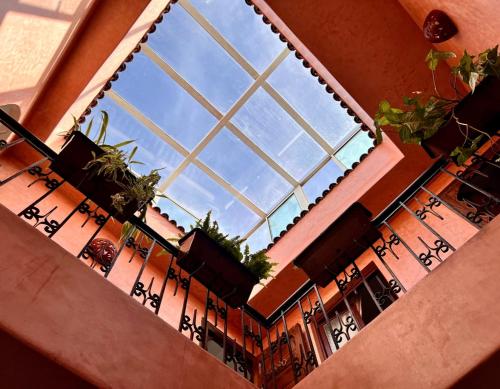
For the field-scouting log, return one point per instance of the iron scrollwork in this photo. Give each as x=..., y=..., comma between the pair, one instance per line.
x=140, y=290
x=433, y=252
x=428, y=207
x=343, y=283
x=385, y=294
x=387, y=246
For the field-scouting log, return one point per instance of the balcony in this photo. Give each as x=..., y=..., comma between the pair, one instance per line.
x=446, y=215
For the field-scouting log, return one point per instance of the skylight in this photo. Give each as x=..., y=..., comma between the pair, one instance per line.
x=240, y=127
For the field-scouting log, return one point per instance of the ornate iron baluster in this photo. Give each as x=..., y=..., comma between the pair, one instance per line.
x=413, y=254
x=395, y=280
x=295, y=363
x=310, y=355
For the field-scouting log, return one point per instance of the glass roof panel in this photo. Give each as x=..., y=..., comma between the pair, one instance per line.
x=272, y=129
x=260, y=238
x=151, y=151
x=244, y=170
x=309, y=98
x=357, y=145
x=198, y=58
x=243, y=30
x=318, y=183
x=174, y=212
x=161, y=99
x=199, y=194
x=284, y=215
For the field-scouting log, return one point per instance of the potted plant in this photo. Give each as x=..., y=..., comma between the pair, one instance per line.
x=101, y=172
x=454, y=127
x=339, y=245
x=218, y=263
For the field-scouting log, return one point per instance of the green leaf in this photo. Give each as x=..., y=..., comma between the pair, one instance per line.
x=89, y=128
x=384, y=106
x=433, y=57
x=473, y=79
x=132, y=153
x=378, y=134
x=104, y=127
x=122, y=144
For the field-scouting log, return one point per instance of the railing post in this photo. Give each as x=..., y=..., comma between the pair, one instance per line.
x=308, y=336
x=296, y=372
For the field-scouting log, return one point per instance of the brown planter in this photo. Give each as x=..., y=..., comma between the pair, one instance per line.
x=480, y=109
x=70, y=164
x=339, y=245
x=215, y=268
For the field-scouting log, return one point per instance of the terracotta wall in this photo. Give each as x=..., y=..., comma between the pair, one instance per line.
x=16, y=195
x=431, y=337
x=98, y=34
x=477, y=21
x=62, y=309
x=33, y=35
x=374, y=51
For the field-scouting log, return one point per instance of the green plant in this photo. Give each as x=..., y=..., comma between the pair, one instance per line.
x=113, y=165
x=419, y=120
x=258, y=263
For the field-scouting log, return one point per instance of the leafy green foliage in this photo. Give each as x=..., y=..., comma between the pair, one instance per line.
x=258, y=263
x=434, y=56
x=417, y=122
x=114, y=164
x=472, y=69
x=462, y=153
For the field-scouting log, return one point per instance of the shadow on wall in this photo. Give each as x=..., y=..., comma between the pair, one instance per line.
x=47, y=11
x=484, y=376
x=43, y=373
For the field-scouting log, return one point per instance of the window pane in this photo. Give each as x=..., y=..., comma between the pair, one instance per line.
x=259, y=239
x=272, y=129
x=308, y=97
x=350, y=153
x=183, y=218
x=284, y=215
x=199, y=194
x=192, y=52
x=162, y=100
x=321, y=180
x=151, y=151
x=244, y=170
x=244, y=30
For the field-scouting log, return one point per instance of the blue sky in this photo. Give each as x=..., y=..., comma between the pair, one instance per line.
x=182, y=43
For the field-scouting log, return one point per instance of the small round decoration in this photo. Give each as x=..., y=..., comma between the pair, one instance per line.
x=438, y=27
x=102, y=251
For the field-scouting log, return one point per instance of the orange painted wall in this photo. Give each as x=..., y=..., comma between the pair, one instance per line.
x=16, y=195
x=433, y=336
x=103, y=28
x=66, y=312
x=374, y=52
x=33, y=35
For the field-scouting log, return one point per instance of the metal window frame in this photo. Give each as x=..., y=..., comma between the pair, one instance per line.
x=224, y=120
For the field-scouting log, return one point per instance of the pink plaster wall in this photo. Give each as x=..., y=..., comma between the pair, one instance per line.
x=62, y=309
x=438, y=332
x=477, y=21
x=33, y=35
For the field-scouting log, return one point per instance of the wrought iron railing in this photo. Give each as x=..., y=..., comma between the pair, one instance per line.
x=282, y=348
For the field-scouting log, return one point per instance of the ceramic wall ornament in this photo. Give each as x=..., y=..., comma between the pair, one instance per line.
x=102, y=251
x=438, y=27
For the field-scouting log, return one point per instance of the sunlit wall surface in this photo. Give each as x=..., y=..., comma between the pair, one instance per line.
x=238, y=125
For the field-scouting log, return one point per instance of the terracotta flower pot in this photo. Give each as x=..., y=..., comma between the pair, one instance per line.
x=215, y=268
x=480, y=109
x=70, y=165
x=339, y=245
